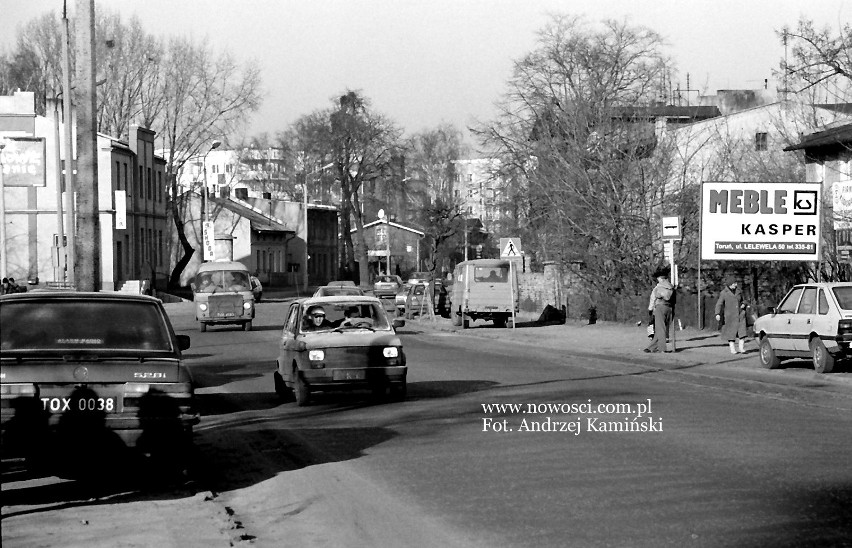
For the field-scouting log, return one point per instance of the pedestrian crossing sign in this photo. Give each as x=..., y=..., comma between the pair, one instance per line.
x=510, y=248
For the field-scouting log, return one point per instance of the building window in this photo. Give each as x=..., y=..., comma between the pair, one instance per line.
x=150, y=188
x=267, y=195
x=160, y=185
x=141, y=184
x=761, y=141
x=470, y=177
x=117, y=175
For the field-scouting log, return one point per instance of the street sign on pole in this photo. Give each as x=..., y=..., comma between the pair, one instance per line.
x=671, y=228
x=209, y=238
x=510, y=248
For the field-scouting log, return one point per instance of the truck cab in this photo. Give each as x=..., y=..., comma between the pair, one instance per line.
x=484, y=289
x=222, y=293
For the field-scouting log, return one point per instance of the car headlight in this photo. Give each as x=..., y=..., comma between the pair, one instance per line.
x=316, y=355
x=202, y=307
x=390, y=352
x=247, y=305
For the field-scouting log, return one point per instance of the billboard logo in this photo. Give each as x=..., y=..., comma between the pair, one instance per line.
x=805, y=202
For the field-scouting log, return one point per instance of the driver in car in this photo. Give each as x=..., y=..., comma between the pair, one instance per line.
x=315, y=319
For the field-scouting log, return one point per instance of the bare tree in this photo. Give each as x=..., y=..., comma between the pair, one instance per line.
x=205, y=95
x=592, y=185
x=361, y=144
x=818, y=59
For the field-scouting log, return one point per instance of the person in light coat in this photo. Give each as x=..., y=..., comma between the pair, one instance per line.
x=731, y=309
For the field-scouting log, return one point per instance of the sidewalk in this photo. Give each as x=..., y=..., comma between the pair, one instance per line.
x=627, y=341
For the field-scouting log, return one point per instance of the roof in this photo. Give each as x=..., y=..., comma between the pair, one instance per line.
x=68, y=294
x=341, y=299
x=836, y=136
x=391, y=223
x=221, y=265
x=259, y=221
x=669, y=111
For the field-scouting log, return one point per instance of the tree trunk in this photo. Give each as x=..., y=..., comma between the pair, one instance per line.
x=188, y=250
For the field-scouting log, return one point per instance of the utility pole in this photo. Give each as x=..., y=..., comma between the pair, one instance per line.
x=70, y=187
x=88, y=239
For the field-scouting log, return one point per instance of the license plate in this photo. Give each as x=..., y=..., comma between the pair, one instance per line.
x=354, y=375
x=225, y=314
x=66, y=405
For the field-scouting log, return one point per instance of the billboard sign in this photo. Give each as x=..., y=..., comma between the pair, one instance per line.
x=760, y=221
x=842, y=204
x=23, y=162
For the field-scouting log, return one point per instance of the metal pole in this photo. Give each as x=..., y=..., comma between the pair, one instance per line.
x=465, y=238
x=305, y=218
x=58, y=273
x=387, y=222
x=71, y=257
x=3, y=261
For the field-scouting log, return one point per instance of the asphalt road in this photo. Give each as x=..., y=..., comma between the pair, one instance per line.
x=719, y=460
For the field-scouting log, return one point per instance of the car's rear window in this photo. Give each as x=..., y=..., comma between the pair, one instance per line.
x=494, y=274
x=844, y=296
x=385, y=279
x=73, y=325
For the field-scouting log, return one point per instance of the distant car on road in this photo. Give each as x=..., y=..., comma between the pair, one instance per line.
x=387, y=286
x=87, y=375
x=339, y=343
x=334, y=289
x=417, y=292
x=419, y=278
x=256, y=289
x=813, y=320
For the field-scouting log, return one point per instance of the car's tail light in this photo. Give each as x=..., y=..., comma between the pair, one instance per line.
x=844, y=330
x=181, y=392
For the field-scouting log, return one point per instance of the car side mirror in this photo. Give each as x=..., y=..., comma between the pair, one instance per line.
x=183, y=342
x=398, y=322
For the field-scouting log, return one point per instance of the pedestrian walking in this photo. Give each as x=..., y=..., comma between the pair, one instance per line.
x=4, y=289
x=660, y=304
x=731, y=309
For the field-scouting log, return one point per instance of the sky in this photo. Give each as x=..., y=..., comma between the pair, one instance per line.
x=427, y=62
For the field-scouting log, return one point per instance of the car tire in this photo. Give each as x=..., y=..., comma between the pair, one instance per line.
x=465, y=322
x=768, y=358
x=281, y=387
x=399, y=392
x=300, y=389
x=247, y=326
x=500, y=322
x=202, y=327
x=823, y=360
x=457, y=319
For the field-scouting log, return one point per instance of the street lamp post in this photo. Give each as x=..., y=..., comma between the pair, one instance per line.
x=205, y=214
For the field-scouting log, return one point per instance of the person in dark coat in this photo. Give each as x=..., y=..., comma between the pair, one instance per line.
x=661, y=304
x=731, y=309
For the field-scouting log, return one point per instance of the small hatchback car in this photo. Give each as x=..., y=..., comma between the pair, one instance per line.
x=86, y=373
x=813, y=320
x=339, y=343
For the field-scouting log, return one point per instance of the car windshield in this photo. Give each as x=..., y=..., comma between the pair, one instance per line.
x=496, y=274
x=386, y=280
x=217, y=281
x=338, y=316
x=844, y=296
x=79, y=326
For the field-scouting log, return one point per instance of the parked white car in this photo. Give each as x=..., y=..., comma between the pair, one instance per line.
x=813, y=320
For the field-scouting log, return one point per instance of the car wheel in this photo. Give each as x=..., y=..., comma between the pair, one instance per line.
x=281, y=387
x=300, y=389
x=379, y=391
x=202, y=327
x=500, y=322
x=768, y=359
x=399, y=392
x=823, y=360
x=247, y=326
x=465, y=322
x=457, y=319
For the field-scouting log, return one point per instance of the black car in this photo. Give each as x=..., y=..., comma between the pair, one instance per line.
x=88, y=377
